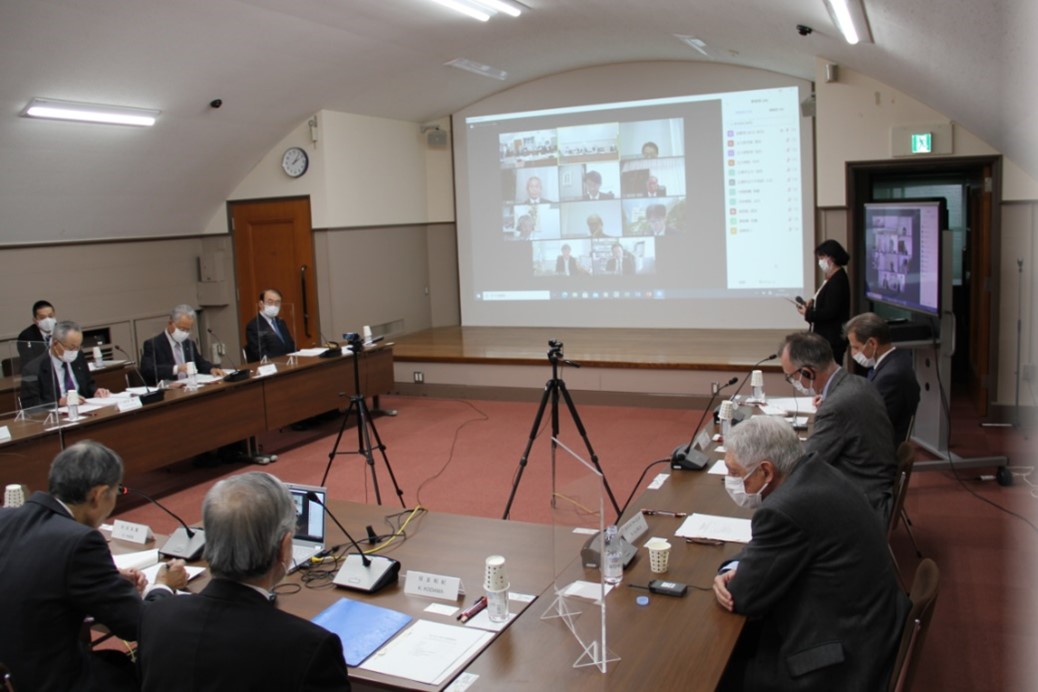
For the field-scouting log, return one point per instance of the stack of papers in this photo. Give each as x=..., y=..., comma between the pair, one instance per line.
x=309, y=352
x=428, y=652
x=727, y=529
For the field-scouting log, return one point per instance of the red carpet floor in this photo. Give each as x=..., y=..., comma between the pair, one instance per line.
x=462, y=456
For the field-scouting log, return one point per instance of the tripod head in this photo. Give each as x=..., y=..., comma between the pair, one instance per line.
x=555, y=354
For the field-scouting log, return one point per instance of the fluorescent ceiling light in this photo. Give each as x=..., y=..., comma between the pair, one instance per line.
x=477, y=68
x=90, y=112
x=693, y=42
x=465, y=9
x=849, y=17
x=482, y=10
x=500, y=6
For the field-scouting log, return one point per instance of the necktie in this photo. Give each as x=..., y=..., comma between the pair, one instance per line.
x=178, y=353
x=70, y=384
x=871, y=374
x=277, y=332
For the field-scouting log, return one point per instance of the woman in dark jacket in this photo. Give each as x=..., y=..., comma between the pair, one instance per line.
x=831, y=307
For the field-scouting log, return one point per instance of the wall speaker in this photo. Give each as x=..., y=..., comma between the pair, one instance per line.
x=807, y=107
x=436, y=138
x=832, y=72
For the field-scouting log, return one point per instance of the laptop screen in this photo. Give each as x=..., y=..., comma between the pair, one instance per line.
x=309, y=514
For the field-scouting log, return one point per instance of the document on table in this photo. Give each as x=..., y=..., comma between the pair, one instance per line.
x=152, y=572
x=309, y=352
x=781, y=406
x=136, y=560
x=718, y=469
x=728, y=529
x=83, y=409
x=428, y=652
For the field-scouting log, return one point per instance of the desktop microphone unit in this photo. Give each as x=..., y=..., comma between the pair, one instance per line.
x=361, y=572
x=236, y=375
x=150, y=396
x=687, y=457
x=185, y=543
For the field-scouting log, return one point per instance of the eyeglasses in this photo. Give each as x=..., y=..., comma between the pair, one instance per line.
x=798, y=374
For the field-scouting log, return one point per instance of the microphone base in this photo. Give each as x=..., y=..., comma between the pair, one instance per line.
x=237, y=376
x=382, y=572
x=187, y=548
x=153, y=397
x=331, y=353
x=687, y=458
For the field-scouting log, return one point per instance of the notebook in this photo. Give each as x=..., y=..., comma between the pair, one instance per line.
x=308, y=539
x=362, y=627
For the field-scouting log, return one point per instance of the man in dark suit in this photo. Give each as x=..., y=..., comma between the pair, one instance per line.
x=533, y=191
x=621, y=262
x=566, y=264
x=167, y=354
x=57, y=570
x=232, y=636
x=267, y=334
x=656, y=221
x=825, y=609
x=851, y=430
x=593, y=185
x=890, y=370
x=61, y=369
x=653, y=187
x=34, y=340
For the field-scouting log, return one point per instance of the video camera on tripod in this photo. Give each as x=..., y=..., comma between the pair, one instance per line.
x=554, y=350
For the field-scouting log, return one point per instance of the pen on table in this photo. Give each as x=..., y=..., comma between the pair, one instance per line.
x=663, y=513
x=704, y=541
x=474, y=609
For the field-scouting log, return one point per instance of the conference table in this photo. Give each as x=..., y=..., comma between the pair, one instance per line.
x=671, y=643
x=186, y=423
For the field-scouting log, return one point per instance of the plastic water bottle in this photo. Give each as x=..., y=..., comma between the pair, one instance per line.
x=612, y=557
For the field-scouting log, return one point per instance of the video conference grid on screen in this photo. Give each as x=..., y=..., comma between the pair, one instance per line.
x=903, y=246
x=705, y=203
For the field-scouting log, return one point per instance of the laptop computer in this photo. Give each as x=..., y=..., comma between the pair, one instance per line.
x=308, y=539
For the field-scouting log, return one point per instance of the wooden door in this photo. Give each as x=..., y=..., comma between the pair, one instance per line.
x=981, y=280
x=273, y=248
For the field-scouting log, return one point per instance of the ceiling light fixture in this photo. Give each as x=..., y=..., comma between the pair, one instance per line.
x=849, y=17
x=465, y=9
x=695, y=43
x=482, y=10
x=477, y=68
x=500, y=6
x=54, y=109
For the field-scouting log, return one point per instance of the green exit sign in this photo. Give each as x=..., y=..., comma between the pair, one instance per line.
x=922, y=142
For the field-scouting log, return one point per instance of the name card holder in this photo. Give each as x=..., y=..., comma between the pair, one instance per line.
x=124, y=405
x=5, y=433
x=429, y=585
x=264, y=370
x=131, y=532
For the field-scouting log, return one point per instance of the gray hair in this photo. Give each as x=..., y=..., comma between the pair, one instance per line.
x=868, y=325
x=808, y=349
x=181, y=311
x=84, y=465
x=246, y=517
x=62, y=329
x=765, y=437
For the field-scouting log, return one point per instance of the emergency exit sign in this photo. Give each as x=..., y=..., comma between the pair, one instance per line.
x=922, y=142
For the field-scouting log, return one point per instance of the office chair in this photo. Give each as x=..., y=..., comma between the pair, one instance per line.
x=905, y=462
x=925, y=587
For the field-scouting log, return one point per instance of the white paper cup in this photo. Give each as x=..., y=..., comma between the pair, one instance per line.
x=727, y=410
x=192, y=369
x=14, y=495
x=494, y=576
x=757, y=378
x=659, y=555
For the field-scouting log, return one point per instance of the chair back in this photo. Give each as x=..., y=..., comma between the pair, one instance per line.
x=905, y=461
x=923, y=596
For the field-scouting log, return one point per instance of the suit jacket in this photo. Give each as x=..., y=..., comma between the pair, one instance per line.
x=628, y=264
x=661, y=191
x=817, y=582
x=831, y=310
x=895, y=379
x=852, y=432
x=55, y=572
x=574, y=266
x=260, y=339
x=231, y=638
x=158, y=363
x=38, y=383
x=601, y=196
x=31, y=344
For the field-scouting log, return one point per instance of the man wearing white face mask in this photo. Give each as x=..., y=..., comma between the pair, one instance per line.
x=35, y=339
x=166, y=355
x=816, y=581
x=851, y=430
x=267, y=334
x=62, y=369
x=889, y=369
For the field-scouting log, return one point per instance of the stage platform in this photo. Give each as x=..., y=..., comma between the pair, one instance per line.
x=659, y=362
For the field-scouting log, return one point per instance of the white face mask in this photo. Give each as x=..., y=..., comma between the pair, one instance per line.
x=271, y=311
x=864, y=361
x=68, y=355
x=46, y=325
x=799, y=386
x=736, y=488
x=180, y=336
x=824, y=265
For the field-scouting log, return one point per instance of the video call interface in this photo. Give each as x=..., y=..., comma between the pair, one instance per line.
x=902, y=243
x=309, y=516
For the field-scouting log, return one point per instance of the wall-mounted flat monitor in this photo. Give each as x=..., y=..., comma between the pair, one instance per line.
x=902, y=261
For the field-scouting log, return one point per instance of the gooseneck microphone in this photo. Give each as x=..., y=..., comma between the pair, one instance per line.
x=687, y=456
x=150, y=395
x=185, y=543
x=236, y=375
x=742, y=384
x=360, y=572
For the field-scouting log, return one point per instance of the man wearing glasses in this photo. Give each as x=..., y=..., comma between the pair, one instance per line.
x=61, y=369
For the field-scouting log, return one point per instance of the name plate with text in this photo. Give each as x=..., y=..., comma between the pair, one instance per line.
x=5, y=433
x=134, y=402
x=432, y=585
x=130, y=531
x=264, y=370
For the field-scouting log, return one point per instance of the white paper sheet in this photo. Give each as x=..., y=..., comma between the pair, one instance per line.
x=728, y=529
x=136, y=560
x=309, y=352
x=718, y=469
x=587, y=590
x=152, y=572
x=427, y=652
x=783, y=406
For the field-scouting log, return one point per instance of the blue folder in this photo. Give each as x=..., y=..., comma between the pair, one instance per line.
x=362, y=627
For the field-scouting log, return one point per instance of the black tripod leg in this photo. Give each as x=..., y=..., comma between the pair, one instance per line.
x=382, y=450
x=364, y=444
x=529, y=445
x=338, y=439
x=587, y=443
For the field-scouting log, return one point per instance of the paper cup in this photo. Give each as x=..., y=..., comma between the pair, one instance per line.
x=192, y=369
x=727, y=410
x=757, y=378
x=494, y=576
x=659, y=555
x=14, y=495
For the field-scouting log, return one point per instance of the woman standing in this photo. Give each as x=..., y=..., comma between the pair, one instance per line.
x=831, y=307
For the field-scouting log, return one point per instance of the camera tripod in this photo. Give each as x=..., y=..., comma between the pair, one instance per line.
x=366, y=429
x=552, y=389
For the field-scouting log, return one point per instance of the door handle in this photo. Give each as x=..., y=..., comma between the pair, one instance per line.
x=306, y=306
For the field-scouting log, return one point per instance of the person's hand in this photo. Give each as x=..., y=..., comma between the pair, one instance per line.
x=172, y=574
x=135, y=577
x=801, y=308
x=63, y=401
x=218, y=372
x=817, y=401
x=724, y=597
x=101, y=393
x=182, y=368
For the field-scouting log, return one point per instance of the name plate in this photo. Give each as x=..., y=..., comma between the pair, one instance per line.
x=129, y=531
x=5, y=434
x=134, y=402
x=429, y=585
x=634, y=527
x=264, y=370
x=702, y=440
